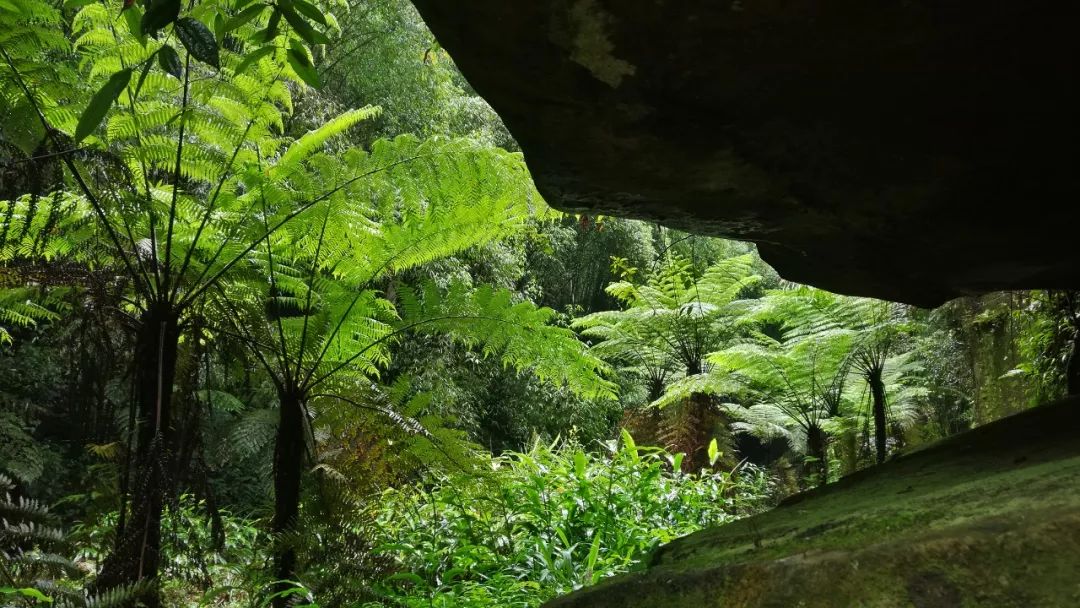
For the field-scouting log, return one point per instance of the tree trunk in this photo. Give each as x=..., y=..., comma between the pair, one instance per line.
x=848, y=448
x=288, y=468
x=1072, y=370
x=137, y=554
x=817, y=446
x=881, y=430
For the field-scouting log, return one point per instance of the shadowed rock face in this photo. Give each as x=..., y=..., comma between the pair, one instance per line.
x=987, y=518
x=914, y=150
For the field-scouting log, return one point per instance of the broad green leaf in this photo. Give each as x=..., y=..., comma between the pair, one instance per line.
x=594, y=553
x=252, y=58
x=308, y=33
x=159, y=14
x=142, y=75
x=244, y=16
x=310, y=11
x=169, y=60
x=100, y=103
x=198, y=40
x=301, y=64
x=133, y=16
x=29, y=592
x=714, y=452
x=271, y=31
x=219, y=28
x=629, y=445
x=580, y=460
x=676, y=464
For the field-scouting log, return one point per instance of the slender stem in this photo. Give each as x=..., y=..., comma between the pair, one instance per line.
x=366, y=285
x=284, y=357
x=167, y=271
x=413, y=425
x=254, y=343
x=152, y=216
x=220, y=184
x=310, y=289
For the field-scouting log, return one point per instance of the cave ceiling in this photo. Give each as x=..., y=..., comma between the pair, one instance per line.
x=909, y=150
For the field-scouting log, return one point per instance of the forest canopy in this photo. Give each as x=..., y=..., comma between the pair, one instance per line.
x=285, y=322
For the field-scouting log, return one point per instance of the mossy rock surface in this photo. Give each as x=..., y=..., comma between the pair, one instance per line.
x=988, y=518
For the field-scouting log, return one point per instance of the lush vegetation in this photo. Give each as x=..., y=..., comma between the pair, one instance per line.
x=284, y=321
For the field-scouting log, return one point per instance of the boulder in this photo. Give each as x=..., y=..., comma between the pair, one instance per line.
x=914, y=150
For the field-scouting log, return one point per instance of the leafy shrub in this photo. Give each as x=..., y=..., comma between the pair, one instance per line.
x=34, y=570
x=546, y=522
x=213, y=557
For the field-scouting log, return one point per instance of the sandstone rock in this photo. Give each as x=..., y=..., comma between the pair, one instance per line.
x=914, y=150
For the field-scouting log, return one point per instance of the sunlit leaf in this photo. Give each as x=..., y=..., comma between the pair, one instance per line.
x=303, y=28
x=310, y=11
x=244, y=16
x=253, y=57
x=301, y=64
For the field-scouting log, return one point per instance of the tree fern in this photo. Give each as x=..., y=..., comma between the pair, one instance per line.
x=332, y=299
x=667, y=327
x=812, y=366
x=181, y=152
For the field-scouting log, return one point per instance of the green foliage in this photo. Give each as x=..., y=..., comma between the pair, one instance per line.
x=529, y=526
x=806, y=368
x=386, y=56
x=32, y=565
x=518, y=333
x=213, y=556
x=33, y=45
x=419, y=202
x=669, y=323
x=25, y=308
x=1047, y=342
x=572, y=260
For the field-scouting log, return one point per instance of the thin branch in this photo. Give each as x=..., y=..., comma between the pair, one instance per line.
x=176, y=177
x=311, y=285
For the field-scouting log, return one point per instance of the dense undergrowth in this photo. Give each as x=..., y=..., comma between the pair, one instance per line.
x=513, y=530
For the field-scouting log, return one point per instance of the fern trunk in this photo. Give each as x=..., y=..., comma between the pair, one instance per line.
x=817, y=447
x=690, y=426
x=137, y=554
x=881, y=431
x=288, y=468
x=848, y=448
x=1072, y=370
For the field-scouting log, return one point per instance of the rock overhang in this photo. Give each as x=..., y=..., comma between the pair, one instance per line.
x=914, y=151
